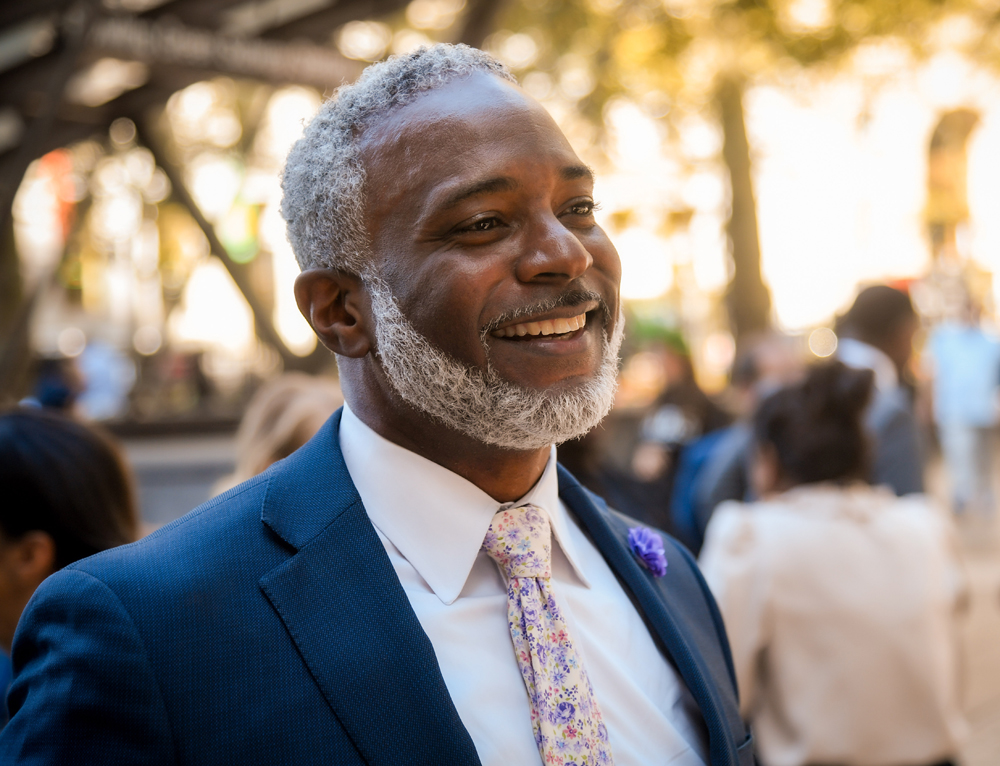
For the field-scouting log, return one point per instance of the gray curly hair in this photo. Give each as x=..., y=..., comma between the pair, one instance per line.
x=324, y=177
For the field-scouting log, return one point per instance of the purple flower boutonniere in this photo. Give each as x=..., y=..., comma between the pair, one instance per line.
x=648, y=546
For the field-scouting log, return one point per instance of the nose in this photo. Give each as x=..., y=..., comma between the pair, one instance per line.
x=552, y=253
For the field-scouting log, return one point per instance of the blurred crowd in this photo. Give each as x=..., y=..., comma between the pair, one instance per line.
x=804, y=490
x=802, y=487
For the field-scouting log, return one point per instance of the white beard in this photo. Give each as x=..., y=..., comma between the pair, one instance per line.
x=479, y=403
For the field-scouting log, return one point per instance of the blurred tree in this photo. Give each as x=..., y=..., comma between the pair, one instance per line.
x=701, y=55
x=947, y=178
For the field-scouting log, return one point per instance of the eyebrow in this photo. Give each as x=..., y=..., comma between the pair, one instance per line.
x=576, y=172
x=489, y=186
x=505, y=183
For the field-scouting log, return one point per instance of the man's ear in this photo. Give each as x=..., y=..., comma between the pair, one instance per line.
x=336, y=306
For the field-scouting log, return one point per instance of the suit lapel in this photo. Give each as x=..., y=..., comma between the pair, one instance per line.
x=350, y=619
x=658, y=606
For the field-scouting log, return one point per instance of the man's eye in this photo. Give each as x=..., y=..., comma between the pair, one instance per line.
x=583, y=208
x=483, y=224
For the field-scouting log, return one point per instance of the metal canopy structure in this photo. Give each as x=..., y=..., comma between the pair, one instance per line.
x=49, y=49
x=44, y=45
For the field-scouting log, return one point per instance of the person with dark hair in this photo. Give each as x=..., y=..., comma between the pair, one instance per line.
x=58, y=384
x=838, y=597
x=882, y=317
x=813, y=432
x=66, y=496
x=876, y=334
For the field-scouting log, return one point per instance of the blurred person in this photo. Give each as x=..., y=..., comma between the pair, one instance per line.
x=681, y=415
x=109, y=374
x=681, y=412
x=965, y=369
x=877, y=334
x=58, y=383
x=762, y=364
x=838, y=597
x=66, y=495
x=283, y=414
x=362, y=601
x=94, y=385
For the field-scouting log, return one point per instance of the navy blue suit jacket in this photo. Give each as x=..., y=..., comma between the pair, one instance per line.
x=268, y=626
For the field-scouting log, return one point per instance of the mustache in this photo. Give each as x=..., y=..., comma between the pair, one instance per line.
x=574, y=297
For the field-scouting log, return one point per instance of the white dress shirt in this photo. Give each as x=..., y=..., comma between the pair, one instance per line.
x=840, y=608
x=432, y=523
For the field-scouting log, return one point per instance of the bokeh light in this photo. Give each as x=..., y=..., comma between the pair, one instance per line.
x=364, y=40
x=213, y=318
x=823, y=342
x=71, y=342
x=433, y=14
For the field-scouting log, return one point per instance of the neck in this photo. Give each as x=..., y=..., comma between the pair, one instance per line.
x=505, y=475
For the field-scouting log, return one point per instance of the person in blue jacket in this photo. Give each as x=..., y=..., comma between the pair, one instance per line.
x=421, y=583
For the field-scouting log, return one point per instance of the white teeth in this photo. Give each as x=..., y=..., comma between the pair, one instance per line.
x=544, y=327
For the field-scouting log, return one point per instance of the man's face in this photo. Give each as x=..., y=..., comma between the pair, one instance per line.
x=481, y=220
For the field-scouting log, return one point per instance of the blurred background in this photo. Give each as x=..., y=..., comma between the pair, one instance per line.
x=757, y=163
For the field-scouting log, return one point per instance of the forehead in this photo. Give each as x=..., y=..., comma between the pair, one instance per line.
x=476, y=126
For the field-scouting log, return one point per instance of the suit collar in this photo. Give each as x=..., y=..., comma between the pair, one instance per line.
x=309, y=489
x=436, y=518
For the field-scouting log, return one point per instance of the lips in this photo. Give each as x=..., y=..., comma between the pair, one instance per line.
x=543, y=327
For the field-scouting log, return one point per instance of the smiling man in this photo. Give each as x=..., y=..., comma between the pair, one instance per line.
x=421, y=583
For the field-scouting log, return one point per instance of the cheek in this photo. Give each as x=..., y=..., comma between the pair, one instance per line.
x=447, y=303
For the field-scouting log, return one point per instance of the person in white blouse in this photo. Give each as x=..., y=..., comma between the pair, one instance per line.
x=839, y=597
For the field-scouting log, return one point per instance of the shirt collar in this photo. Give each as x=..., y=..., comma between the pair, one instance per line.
x=854, y=353
x=436, y=518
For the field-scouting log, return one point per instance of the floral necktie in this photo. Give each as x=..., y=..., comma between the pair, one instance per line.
x=566, y=720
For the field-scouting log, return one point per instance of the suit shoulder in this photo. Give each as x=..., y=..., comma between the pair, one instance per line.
x=191, y=543
x=76, y=636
